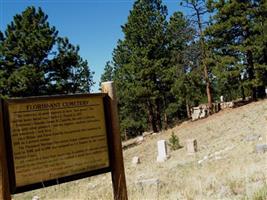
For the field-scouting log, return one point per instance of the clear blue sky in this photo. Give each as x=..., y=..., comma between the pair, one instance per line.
x=94, y=25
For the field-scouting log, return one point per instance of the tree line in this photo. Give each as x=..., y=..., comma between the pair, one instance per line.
x=164, y=65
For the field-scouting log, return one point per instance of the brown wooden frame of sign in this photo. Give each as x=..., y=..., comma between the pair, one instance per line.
x=114, y=148
x=4, y=178
x=8, y=183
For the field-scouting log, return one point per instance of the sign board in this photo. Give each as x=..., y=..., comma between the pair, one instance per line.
x=55, y=139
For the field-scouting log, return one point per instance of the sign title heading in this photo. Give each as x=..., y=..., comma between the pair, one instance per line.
x=47, y=106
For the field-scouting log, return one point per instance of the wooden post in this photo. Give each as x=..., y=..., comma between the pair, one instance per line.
x=117, y=166
x=4, y=183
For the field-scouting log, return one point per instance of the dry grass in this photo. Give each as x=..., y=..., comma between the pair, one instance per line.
x=231, y=170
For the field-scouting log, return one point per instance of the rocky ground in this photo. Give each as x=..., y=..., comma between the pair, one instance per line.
x=226, y=165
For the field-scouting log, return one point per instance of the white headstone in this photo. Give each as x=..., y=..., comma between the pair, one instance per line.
x=135, y=160
x=162, y=151
x=203, y=113
x=191, y=145
x=221, y=98
x=140, y=139
x=35, y=198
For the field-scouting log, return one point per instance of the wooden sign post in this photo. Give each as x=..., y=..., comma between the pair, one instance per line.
x=117, y=165
x=4, y=183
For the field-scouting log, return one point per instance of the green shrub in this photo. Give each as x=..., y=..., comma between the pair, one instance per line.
x=174, y=142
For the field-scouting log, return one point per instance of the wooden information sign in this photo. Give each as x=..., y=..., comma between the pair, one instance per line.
x=55, y=139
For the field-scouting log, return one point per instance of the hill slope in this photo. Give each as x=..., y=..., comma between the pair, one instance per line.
x=225, y=167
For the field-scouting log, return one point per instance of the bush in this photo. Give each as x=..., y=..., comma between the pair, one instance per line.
x=174, y=142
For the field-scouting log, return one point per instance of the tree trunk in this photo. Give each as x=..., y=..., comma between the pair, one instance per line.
x=208, y=87
x=125, y=135
x=151, y=117
x=242, y=92
x=158, y=113
x=261, y=91
x=188, y=111
x=203, y=56
x=251, y=73
x=165, y=121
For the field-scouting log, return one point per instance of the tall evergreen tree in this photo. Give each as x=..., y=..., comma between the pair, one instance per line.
x=36, y=61
x=146, y=47
x=132, y=114
x=237, y=39
x=184, y=56
x=198, y=7
x=108, y=72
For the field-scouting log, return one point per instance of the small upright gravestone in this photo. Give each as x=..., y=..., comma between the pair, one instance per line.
x=135, y=160
x=35, y=198
x=140, y=139
x=162, y=151
x=191, y=145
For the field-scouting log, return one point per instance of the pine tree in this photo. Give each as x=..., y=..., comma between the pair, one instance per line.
x=184, y=56
x=108, y=72
x=145, y=46
x=260, y=40
x=36, y=61
x=235, y=35
x=199, y=11
x=132, y=114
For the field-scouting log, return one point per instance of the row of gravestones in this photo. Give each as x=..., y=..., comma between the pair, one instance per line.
x=162, y=156
x=202, y=111
x=191, y=146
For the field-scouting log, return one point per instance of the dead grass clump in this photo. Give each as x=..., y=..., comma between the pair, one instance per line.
x=261, y=194
x=211, y=184
x=237, y=187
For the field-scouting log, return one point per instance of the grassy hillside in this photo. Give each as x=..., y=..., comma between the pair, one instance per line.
x=225, y=167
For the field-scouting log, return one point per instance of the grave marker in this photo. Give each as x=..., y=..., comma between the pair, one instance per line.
x=162, y=151
x=135, y=160
x=191, y=145
x=261, y=148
